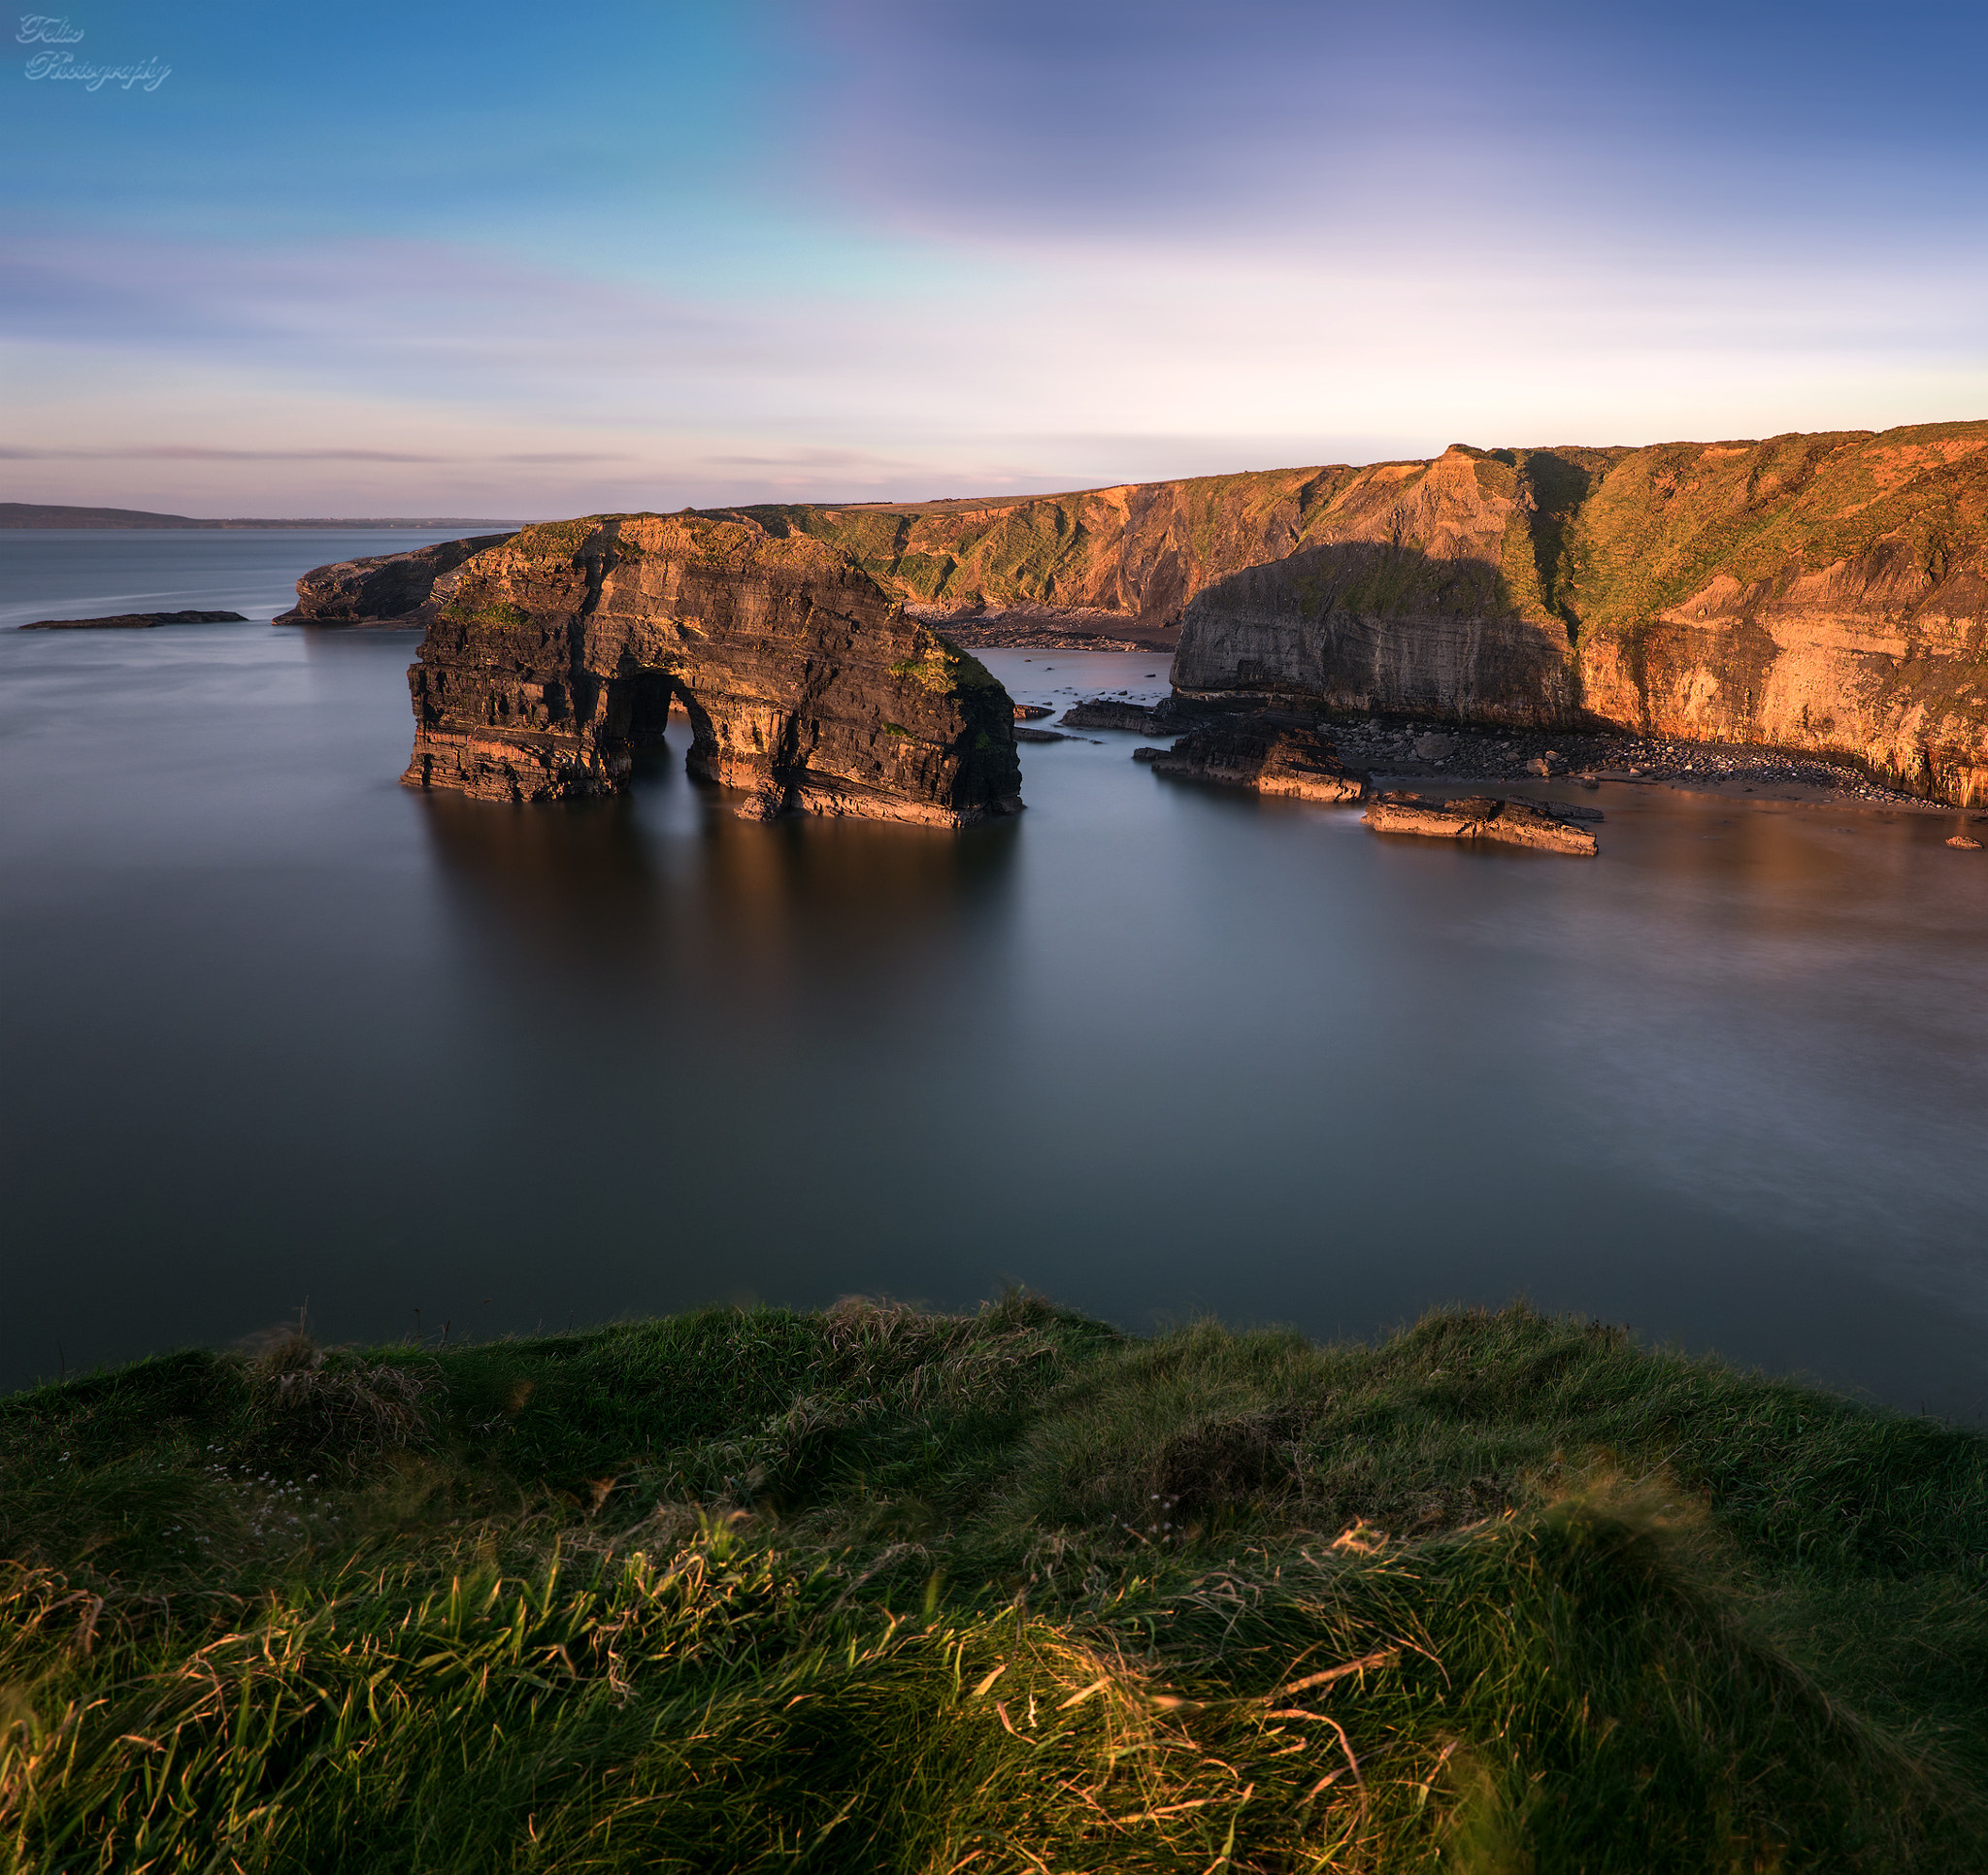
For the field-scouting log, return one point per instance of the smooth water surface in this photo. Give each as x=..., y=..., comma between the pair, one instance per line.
x=277, y=1031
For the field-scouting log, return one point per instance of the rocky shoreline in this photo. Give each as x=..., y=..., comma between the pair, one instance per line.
x=996, y=635
x=1406, y=749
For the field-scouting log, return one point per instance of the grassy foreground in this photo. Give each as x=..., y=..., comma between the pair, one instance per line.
x=877, y=1590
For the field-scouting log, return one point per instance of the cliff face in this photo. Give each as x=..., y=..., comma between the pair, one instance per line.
x=1111, y=557
x=1822, y=593
x=1826, y=593
x=396, y=589
x=556, y=653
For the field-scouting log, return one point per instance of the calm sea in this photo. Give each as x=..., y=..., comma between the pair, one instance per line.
x=277, y=1034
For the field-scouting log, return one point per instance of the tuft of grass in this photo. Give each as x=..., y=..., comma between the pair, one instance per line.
x=882, y=1589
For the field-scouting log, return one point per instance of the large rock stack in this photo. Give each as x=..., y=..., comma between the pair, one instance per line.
x=552, y=656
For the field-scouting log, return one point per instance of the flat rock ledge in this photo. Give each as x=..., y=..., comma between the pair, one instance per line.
x=1546, y=826
x=1269, y=752
x=132, y=622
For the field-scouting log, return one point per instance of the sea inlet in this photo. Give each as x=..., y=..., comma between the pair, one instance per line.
x=278, y=1033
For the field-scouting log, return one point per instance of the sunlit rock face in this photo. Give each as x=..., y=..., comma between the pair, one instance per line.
x=1825, y=594
x=552, y=656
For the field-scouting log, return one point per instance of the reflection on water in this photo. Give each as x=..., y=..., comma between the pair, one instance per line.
x=279, y=1030
x=666, y=895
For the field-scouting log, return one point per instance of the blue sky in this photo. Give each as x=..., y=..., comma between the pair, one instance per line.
x=511, y=261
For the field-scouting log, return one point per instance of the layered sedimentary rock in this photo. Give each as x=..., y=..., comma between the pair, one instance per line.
x=393, y=589
x=1395, y=598
x=1269, y=751
x=1825, y=594
x=1117, y=565
x=1545, y=826
x=556, y=653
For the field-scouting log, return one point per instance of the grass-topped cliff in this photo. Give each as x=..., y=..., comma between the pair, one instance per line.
x=1593, y=538
x=877, y=1590
x=1827, y=593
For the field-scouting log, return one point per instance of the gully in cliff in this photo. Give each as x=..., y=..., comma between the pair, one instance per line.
x=551, y=655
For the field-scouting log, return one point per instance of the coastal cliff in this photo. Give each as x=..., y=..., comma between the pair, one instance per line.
x=1826, y=594
x=396, y=589
x=551, y=656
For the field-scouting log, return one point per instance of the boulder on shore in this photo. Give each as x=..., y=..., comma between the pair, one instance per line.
x=1549, y=826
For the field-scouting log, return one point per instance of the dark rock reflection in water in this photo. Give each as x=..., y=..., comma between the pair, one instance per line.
x=277, y=1030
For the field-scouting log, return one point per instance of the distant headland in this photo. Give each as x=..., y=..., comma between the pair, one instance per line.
x=43, y=515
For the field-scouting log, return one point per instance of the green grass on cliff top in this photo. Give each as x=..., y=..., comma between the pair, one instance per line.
x=877, y=1590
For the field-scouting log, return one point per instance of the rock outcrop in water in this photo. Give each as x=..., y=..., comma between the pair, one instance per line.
x=1269, y=751
x=1109, y=713
x=554, y=654
x=1545, y=826
x=1822, y=594
x=384, y=589
x=132, y=622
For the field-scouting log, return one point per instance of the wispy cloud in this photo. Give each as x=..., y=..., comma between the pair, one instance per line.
x=871, y=246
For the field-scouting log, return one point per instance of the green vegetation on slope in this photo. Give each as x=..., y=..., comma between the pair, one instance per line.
x=875, y=1589
x=1597, y=540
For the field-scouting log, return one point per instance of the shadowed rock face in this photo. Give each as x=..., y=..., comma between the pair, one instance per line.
x=396, y=589
x=551, y=657
x=1399, y=603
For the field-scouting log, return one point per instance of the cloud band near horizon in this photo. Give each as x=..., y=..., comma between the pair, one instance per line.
x=637, y=257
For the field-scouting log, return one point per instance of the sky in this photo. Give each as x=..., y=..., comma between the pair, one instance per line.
x=518, y=262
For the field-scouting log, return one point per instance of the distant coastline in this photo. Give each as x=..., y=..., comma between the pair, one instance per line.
x=38, y=514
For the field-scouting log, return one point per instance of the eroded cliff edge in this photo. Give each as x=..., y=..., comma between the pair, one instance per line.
x=551, y=656
x=396, y=589
x=1825, y=593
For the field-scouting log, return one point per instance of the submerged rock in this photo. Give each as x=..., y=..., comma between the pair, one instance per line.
x=1269, y=751
x=552, y=655
x=1551, y=826
x=132, y=622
